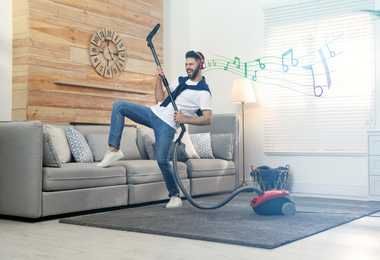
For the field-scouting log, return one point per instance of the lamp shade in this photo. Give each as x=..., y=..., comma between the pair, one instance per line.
x=242, y=91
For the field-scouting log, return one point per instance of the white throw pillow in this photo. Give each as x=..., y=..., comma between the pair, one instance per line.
x=58, y=138
x=50, y=156
x=189, y=147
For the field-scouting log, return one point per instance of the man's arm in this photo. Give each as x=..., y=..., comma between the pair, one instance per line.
x=159, y=93
x=205, y=119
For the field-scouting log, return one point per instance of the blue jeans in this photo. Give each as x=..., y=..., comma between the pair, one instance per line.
x=164, y=135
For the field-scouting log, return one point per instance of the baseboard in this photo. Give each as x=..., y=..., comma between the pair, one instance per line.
x=331, y=190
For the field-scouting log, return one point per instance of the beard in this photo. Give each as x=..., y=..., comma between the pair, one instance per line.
x=195, y=73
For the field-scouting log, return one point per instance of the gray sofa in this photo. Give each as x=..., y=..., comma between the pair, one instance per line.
x=30, y=189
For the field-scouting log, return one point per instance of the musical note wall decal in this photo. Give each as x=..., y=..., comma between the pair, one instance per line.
x=331, y=52
x=226, y=67
x=302, y=76
x=237, y=62
x=262, y=65
x=254, y=77
x=293, y=61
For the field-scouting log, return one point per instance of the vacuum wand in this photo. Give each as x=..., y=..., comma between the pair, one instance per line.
x=164, y=80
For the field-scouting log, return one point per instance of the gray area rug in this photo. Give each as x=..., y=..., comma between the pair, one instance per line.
x=235, y=223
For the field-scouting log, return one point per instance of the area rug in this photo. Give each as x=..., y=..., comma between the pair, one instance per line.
x=236, y=223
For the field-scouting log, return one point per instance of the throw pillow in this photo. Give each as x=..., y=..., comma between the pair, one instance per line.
x=190, y=150
x=223, y=146
x=59, y=141
x=99, y=145
x=181, y=152
x=78, y=146
x=149, y=148
x=50, y=156
x=202, y=144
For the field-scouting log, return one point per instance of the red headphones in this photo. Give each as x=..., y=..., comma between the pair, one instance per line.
x=202, y=65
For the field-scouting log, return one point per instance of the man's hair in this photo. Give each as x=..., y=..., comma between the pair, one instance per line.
x=193, y=54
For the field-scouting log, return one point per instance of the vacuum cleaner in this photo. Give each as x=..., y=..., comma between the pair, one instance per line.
x=272, y=202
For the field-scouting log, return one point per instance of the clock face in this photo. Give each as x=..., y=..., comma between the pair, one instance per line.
x=108, y=53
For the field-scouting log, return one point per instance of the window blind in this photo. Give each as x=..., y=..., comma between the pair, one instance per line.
x=319, y=77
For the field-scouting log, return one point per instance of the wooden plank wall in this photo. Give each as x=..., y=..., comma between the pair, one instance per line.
x=51, y=40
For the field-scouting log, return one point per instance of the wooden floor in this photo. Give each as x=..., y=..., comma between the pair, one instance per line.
x=49, y=239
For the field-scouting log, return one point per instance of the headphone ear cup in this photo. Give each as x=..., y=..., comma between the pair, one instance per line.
x=202, y=65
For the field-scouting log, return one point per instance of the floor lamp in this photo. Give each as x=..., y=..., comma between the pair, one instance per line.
x=242, y=92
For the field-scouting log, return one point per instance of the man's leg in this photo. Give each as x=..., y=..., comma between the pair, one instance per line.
x=137, y=113
x=120, y=109
x=164, y=135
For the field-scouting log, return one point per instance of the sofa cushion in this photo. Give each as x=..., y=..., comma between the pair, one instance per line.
x=59, y=141
x=99, y=145
x=197, y=168
x=72, y=176
x=147, y=171
x=223, y=146
x=202, y=144
x=78, y=146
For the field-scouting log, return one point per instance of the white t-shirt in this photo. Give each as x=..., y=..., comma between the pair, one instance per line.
x=189, y=101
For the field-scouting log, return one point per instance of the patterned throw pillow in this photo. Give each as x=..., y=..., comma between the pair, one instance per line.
x=78, y=146
x=202, y=145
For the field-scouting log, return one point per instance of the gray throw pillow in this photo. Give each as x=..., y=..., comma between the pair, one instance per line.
x=99, y=145
x=150, y=150
x=223, y=146
x=182, y=155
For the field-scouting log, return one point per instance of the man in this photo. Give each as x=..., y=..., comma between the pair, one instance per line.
x=191, y=94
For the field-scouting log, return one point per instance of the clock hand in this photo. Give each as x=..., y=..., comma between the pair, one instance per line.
x=108, y=49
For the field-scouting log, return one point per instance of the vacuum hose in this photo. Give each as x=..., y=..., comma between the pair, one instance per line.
x=178, y=142
x=190, y=199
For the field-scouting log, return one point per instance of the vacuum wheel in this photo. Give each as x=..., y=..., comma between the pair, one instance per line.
x=288, y=209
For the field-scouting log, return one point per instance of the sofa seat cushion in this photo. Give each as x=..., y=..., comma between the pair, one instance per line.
x=198, y=168
x=72, y=176
x=147, y=171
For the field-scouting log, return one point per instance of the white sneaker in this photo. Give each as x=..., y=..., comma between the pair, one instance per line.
x=109, y=158
x=175, y=202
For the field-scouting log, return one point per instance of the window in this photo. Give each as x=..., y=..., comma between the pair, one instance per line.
x=319, y=77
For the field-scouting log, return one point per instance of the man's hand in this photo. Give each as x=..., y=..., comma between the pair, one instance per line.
x=159, y=72
x=179, y=117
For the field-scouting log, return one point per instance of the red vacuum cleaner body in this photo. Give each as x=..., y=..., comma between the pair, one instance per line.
x=273, y=202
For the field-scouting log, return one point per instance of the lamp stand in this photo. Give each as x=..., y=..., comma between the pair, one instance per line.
x=243, y=184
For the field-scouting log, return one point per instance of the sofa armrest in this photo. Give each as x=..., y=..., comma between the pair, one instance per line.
x=21, y=153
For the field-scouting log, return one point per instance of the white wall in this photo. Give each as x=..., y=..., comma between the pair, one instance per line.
x=235, y=28
x=6, y=60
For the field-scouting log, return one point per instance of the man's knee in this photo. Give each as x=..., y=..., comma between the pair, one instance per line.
x=117, y=104
x=163, y=161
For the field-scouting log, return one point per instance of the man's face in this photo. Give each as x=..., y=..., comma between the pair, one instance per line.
x=192, y=68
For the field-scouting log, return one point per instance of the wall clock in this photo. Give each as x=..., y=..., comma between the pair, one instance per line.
x=108, y=53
